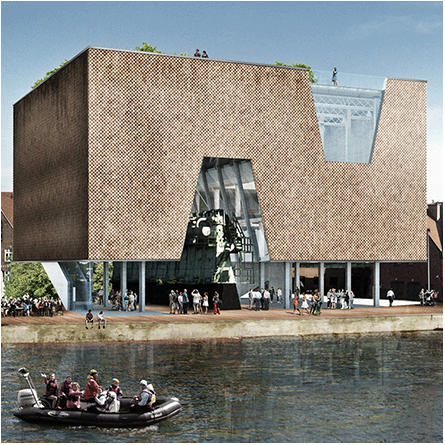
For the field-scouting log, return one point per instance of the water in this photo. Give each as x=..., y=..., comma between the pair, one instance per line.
x=344, y=388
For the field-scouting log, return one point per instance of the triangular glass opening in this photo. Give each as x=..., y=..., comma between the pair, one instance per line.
x=348, y=119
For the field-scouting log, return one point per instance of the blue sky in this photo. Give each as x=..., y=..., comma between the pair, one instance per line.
x=390, y=39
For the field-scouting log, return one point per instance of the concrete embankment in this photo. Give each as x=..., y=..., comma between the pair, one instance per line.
x=152, y=331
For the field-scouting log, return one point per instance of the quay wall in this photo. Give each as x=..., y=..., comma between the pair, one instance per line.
x=152, y=331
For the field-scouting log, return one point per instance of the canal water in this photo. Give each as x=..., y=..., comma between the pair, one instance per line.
x=342, y=388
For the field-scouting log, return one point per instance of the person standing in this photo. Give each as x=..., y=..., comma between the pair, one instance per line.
x=266, y=297
x=204, y=55
x=257, y=299
x=351, y=299
x=250, y=294
x=422, y=297
x=205, y=303
x=272, y=294
x=296, y=301
x=171, y=300
x=185, y=301
x=196, y=300
x=279, y=295
x=391, y=296
x=334, y=77
x=180, y=303
x=216, y=304
x=197, y=53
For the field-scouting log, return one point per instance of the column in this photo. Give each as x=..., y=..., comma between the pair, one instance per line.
x=376, y=283
x=321, y=280
x=237, y=202
x=287, y=284
x=216, y=204
x=105, y=283
x=141, y=293
x=90, y=285
x=123, y=278
x=348, y=275
x=262, y=275
x=297, y=275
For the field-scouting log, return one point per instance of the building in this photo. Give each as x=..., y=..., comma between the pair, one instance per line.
x=7, y=234
x=116, y=151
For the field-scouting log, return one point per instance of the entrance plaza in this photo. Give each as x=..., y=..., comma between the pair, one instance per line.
x=219, y=175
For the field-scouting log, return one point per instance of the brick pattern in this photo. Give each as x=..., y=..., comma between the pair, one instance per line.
x=152, y=118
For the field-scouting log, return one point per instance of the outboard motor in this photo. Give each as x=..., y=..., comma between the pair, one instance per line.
x=27, y=398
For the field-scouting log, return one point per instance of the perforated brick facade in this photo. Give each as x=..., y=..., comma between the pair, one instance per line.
x=126, y=135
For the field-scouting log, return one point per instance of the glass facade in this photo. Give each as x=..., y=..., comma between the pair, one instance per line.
x=228, y=184
x=348, y=116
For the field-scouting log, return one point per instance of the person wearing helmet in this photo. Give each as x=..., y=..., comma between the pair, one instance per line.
x=92, y=388
x=145, y=399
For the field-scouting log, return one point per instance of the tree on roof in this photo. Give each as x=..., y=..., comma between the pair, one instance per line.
x=301, y=65
x=146, y=47
x=49, y=73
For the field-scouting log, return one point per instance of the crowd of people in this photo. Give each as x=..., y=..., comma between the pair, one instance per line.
x=27, y=306
x=179, y=302
x=69, y=395
x=127, y=302
x=262, y=299
x=309, y=302
x=428, y=297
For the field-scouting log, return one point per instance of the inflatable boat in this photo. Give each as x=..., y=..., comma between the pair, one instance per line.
x=161, y=410
x=33, y=409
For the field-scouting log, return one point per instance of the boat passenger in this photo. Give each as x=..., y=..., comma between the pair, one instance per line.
x=73, y=399
x=52, y=388
x=106, y=401
x=116, y=389
x=92, y=388
x=64, y=391
x=145, y=399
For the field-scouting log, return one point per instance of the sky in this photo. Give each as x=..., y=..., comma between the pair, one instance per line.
x=389, y=39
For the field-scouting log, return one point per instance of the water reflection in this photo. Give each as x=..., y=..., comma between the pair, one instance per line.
x=345, y=388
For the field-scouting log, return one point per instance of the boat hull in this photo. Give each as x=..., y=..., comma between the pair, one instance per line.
x=124, y=419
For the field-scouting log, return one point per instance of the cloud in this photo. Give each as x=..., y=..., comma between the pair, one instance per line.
x=396, y=24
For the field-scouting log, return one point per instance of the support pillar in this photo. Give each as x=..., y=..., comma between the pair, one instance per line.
x=297, y=276
x=321, y=280
x=348, y=275
x=287, y=284
x=123, y=278
x=90, y=285
x=216, y=203
x=105, y=283
x=262, y=275
x=376, y=283
x=142, y=286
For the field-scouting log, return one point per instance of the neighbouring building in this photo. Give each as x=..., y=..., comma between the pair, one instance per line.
x=7, y=234
x=218, y=174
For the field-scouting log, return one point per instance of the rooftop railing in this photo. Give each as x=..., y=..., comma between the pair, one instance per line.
x=351, y=80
